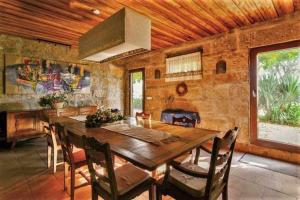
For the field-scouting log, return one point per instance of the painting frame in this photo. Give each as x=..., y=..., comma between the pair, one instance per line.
x=37, y=76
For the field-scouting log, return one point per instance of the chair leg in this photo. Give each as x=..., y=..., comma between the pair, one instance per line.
x=66, y=173
x=150, y=193
x=13, y=144
x=49, y=156
x=197, y=156
x=158, y=194
x=94, y=194
x=225, y=193
x=54, y=160
x=72, y=183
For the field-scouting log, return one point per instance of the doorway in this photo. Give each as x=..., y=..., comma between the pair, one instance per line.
x=275, y=96
x=136, y=91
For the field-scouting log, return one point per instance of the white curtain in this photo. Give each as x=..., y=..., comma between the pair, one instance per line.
x=184, y=67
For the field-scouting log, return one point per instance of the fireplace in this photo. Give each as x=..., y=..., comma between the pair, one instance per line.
x=167, y=115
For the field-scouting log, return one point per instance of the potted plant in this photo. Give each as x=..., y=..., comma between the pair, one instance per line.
x=54, y=100
x=58, y=100
x=45, y=101
x=103, y=116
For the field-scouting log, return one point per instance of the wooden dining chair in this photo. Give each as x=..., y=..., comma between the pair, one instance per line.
x=53, y=144
x=73, y=159
x=125, y=182
x=183, y=121
x=190, y=181
x=143, y=115
x=208, y=150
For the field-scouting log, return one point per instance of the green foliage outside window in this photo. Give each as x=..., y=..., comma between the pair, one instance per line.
x=279, y=87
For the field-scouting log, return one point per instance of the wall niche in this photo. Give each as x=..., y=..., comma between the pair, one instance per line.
x=221, y=67
x=157, y=74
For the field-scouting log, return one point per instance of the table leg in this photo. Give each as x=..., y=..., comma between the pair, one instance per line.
x=153, y=189
x=153, y=192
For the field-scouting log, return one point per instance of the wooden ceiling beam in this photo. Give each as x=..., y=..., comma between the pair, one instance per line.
x=258, y=12
x=175, y=16
x=56, y=9
x=193, y=22
x=39, y=31
x=48, y=15
x=261, y=7
x=106, y=8
x=212, y=8
x=160, y=43
x=5, y=29
x=232, y=12
x=249, y=9
x=169, y=33
x=156, y=34
x=287, y=6
x=19, y=16
x=270, y=8
x=296, y=4
x=173, y=21
x=202, y=14
x=243, y=9
x=276, y=4
x=30, y=24
x=86, y=14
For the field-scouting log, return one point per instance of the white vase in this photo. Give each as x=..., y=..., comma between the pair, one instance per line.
x=58, y=105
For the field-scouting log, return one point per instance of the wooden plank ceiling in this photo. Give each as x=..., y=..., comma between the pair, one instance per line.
x=173, y=21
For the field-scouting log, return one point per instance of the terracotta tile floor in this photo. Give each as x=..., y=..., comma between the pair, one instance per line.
x=24, y=175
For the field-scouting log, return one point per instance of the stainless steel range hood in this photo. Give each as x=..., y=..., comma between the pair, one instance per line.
x=124, y=32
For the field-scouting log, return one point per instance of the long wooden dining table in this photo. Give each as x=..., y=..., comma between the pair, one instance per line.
x=141, y=153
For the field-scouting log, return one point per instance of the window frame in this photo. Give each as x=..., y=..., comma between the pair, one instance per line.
x=253, y=99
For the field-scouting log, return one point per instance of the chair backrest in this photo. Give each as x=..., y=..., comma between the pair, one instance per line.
x=218, y=177
x=143, y=115
x=75, y=140
x=183, y=121
x=50, y=134
x=98, y=153
x=66, y=145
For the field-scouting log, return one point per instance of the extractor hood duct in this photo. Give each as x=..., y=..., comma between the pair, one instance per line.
x=125, y=32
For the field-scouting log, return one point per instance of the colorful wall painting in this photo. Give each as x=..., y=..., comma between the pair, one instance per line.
x=38, y=76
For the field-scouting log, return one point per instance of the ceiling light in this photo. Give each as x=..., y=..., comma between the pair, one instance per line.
x=96, y=11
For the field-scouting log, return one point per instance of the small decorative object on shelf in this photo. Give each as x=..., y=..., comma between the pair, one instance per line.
x=103, y=116
x=221, y=67
x=54, y=100
x=181, y=89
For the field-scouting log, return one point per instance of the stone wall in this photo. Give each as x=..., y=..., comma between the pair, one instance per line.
x=223, y=100
x=106, y=79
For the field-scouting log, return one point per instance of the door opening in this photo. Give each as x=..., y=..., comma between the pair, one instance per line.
x=136, y=88
x=275, y=96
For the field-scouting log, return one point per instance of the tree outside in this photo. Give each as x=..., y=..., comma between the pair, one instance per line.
x=279, y=95
x=137, y=93
x=279, y=87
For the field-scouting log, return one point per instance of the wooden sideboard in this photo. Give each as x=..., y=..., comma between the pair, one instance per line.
x=29, y=123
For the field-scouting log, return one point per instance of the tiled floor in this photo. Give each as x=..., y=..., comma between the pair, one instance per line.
x=23, y=175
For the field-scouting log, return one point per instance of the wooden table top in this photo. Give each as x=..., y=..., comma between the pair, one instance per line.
x=141, y=153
